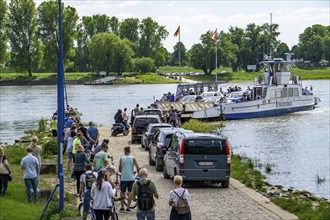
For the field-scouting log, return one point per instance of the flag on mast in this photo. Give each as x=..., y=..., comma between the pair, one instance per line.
x=177, y=32
x=214, y=36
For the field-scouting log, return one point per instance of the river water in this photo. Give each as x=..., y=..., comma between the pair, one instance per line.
x=296, y=146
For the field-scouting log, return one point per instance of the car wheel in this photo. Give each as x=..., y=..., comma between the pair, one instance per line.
x=151, y=163
x=165, y=175
x=158, y=166
x=225, y=184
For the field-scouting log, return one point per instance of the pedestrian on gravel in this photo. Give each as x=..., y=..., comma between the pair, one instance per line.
x=93, y=134
x=86, y=182
x=101, y=158
x=102, y=193
x=97, y=149
x=126, y=167
x=145, y=190
x=79, y=165
x=5, y=172
x=30, y=166
x=36, y=150
x=175, y=196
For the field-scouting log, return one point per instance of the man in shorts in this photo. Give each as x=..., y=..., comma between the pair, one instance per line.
x=126, y=167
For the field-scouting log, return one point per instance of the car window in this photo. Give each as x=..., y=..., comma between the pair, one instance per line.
x=143, y=122
x=175, y=143
x=167, y=139
x=157, y=136
x=205, y=147
x=156, y=112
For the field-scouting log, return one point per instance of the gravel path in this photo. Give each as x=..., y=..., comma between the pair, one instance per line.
x=207, y=202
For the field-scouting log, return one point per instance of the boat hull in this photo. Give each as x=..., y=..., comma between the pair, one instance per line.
x=255, y=109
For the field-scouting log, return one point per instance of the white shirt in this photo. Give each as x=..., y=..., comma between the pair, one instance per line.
x=102, y=199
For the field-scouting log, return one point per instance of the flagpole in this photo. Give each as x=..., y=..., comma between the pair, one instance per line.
x=216, y=60
x=179, y=51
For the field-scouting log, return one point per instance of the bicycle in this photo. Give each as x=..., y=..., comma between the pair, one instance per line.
x=90, y=214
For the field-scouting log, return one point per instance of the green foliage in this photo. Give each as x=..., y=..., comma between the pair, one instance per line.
x=15, y=153
x=200, y=126
x=49, y=148
x=4, y=55
x=304, y=209
x=22, y=34
x=150, y=78
x=144, y=64
x=42, y=125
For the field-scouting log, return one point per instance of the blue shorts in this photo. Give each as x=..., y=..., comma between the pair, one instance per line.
x=70, y=155
x=126, y=185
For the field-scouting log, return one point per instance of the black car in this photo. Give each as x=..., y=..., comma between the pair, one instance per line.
x=149, y=133
x=140, y=124
x=159, y=144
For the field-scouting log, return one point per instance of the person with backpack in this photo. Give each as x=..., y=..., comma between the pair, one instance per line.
x=86, y=182
x=145, y=191
x=178, y=199
x=120, y=121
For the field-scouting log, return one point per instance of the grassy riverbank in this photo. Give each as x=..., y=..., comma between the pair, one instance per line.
x=300, y=203
x=149, y=78
x=16, y=197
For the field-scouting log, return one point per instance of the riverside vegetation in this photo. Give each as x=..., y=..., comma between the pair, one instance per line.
x=301, y=203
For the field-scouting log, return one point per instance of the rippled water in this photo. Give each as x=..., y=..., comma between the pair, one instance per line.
x=295, y=145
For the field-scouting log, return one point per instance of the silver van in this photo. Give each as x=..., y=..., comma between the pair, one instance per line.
x=198, y=157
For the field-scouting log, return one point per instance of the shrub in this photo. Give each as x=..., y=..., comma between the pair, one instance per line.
x=50, y=148
x=198, y=126
x=42, y=125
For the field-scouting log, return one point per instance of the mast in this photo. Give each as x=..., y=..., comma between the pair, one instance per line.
x=270, y=37
x=216, y=60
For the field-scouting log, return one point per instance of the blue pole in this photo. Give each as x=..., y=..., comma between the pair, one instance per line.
x=60, y=107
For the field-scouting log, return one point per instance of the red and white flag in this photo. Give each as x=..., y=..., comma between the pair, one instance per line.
x=177, y=32
x=214, y=36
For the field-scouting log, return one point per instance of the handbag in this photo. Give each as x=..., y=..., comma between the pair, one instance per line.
x=10, y=178
x=3, y=169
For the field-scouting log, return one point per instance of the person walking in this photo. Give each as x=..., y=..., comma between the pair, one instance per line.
x=79, y=165
x=94, y=135
x=30, y=166
x=36, y=150
x=86, y=182
x=175, y=196
x=97, y=149
x=53, y=125
x=120, y=121
x=126, y=167
x=145, y=190
x=102, y=193
x=101, y=158
x=5, y=171
x=69, y=149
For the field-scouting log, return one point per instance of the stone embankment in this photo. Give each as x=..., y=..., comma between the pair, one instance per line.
x=209, y=202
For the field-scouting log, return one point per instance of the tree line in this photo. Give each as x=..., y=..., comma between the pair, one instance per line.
x=29, y=42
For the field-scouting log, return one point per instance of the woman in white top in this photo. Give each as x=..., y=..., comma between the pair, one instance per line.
x=102, y=193
x=174, y=199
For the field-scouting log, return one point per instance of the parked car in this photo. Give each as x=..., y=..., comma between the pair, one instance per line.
x=198, y=157
x=235, y=97
x=140, y=124
x=149, y=133
x=155, y=111
x=158, y=143
x=212, y=96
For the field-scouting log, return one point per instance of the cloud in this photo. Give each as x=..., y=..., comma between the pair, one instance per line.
x=125, y=4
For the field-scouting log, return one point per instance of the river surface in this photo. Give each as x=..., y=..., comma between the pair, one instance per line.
x=296, y=146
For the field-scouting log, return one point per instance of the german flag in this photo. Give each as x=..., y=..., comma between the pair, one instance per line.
x=177, y=32
x=214, y=36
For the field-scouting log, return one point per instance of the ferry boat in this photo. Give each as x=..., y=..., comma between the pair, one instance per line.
x=278, y=92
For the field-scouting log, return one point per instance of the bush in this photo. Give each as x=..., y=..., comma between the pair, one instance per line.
x=42, y=125
x=50, y=148
x=198, y=126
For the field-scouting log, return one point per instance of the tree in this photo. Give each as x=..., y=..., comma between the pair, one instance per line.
x=81, y=60
x=22, y=34
x=48, y=33
x=114, y=25
x=144, y=64
x=129, y=28
x=4, y=55
x=151, y=37
x=237, y=37
x=183, y=54
x=109, y=53
x=281, y=50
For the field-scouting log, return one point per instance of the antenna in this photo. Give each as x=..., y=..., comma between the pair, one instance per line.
x=270, y=37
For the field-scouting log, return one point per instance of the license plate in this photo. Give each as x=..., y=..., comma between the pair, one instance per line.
x=204, y=163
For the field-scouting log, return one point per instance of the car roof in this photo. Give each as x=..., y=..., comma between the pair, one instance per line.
x=172, y=130
x=202, y=136
x=160, y=124
x=146, y=116
x=152, y=109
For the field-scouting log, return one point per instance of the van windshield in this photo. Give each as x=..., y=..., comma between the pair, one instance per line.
x=144, y=122
x=205, y=147
x=151, y=112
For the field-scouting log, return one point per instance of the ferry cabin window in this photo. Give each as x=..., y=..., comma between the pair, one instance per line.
x=278, y=93
x=272, y=94
x=277, y=67
x=284, y=92
x=295, y=92
x=290, y=92
x=287, y=67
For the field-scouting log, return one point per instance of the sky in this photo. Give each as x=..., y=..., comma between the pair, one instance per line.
x=197, y=17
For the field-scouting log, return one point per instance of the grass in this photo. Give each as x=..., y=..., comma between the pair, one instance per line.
x=150, y=78
x=16, y=198
x=47, y=76
x=199, y=126
x=176, y=69
x=313, y=74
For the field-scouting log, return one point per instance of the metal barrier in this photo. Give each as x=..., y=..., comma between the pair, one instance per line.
x=196, y=106
x=48, y=201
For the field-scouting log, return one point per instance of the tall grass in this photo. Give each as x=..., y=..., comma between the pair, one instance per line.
x=199, y=126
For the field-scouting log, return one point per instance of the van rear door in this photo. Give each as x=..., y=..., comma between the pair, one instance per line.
x=205, y=158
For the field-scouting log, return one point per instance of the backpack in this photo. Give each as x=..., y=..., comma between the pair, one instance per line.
x=145, y=196
x=89, y=180
x=182, y=207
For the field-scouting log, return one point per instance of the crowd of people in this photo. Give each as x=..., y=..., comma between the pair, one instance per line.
x=93, y=170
